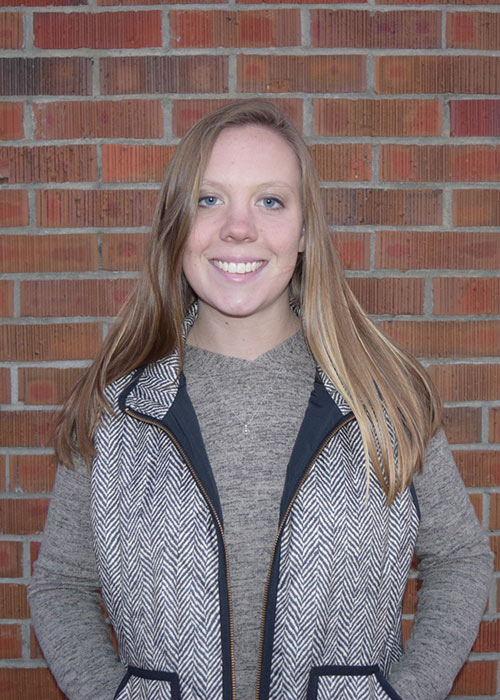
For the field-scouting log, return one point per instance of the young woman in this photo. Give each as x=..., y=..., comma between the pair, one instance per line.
x=263, y=463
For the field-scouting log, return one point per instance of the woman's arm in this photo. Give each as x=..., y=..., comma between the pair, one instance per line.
x=64, y=596
x=455, y=568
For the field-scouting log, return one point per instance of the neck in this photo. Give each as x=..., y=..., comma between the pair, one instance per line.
x=245, y=338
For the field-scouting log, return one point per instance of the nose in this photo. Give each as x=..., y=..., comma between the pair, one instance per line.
x=238, y=225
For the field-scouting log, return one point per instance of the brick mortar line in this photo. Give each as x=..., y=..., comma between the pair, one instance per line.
x=166, y=30
x=373, y=273
x=368, y=6
x=485, y=422
x=305, y=22
x=232, y=74
x=386, y=185
x=294, y=95
x=168, y=139
x=414, y=318
x=291, y=50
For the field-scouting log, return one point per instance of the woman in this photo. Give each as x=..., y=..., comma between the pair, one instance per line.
x=245, y=414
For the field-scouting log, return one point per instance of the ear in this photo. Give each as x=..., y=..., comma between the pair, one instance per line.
x=302, y=240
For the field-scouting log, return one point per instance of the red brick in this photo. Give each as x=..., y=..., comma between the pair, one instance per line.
x=475, y=117
x=342, y=161
x=439, y=163
x=156, y=2
x=440, y=2
x=32, y=473
x=58, y=341
x=361, y=207
x=4, y=385
x=123, y=251
x=13, y=208
x=164, y=74
x=495, y=423
x=353, y=249
x=477, y=503
x=35, y=649
x=186, y=112
x=13, y=603
x=136, y=119
x=46, y=76
x=204, y=29
x=437, y=74
x=132, y=163
x=34, y=552
x=446, y=338
x=11, y=30
x=74, y=297
x=365, y=29
x=473, y=30
x=6, y=298
x=389, y=295
x=26, y=429
x=462, y=424
x=82, y=208
x=11, y=120
x=97, y=30
x=478, y=467
x=476, y=207
x=495, y=516
x=46, y=385
x=28, y=683
x=301, y=73
x=343, y=117
x=302, y=2
x=466, y=295
x=40, y=3
x=11, y=559
x=410, y=596
x=48, y=164
x=50, y=253
x=488, y=636
x=495, y=548
x=23, y=516
x=11, y=645
x=418, y=250
x=462, y=382
x=476, y=678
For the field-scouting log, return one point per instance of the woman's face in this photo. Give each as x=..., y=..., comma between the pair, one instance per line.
x=241, y=252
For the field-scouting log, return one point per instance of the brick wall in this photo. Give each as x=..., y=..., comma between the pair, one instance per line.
x=399, y=102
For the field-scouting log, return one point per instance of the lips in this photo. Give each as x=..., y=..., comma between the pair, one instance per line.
x=237, y=268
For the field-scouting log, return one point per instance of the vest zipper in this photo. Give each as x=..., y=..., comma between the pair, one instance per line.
x=280, y=529
x=219, y=525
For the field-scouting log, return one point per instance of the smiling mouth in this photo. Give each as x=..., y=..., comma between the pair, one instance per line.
x=240, y=268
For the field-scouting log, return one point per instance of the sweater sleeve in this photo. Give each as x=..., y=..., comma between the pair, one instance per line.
x=455, y=569
x=64, y=596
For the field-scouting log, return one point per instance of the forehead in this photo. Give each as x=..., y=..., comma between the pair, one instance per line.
x=250, y=150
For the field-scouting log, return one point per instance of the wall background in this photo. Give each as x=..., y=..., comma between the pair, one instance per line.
x=399, y=102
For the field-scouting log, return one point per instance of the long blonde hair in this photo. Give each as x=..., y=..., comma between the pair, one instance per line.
x=386, y=387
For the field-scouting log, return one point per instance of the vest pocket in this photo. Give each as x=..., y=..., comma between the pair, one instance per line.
x=349, y=683
x=140, y=683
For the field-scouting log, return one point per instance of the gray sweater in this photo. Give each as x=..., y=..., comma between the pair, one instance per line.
x=269, y=397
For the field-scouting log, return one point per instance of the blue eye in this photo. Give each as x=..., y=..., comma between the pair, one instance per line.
x=271, y=203
x=208, y=201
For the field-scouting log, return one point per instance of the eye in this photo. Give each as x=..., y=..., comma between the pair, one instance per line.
x=271, y=203
x=208, y=200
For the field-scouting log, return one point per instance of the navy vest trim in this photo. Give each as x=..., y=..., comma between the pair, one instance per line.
x=415, y=500
x=318, y=671
x=321, y=417
x=166, y=676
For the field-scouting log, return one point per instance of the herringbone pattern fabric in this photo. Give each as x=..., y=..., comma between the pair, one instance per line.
x=344, y=561
x=158, y=560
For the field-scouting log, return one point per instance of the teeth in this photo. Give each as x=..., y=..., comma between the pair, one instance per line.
x=240, y=268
